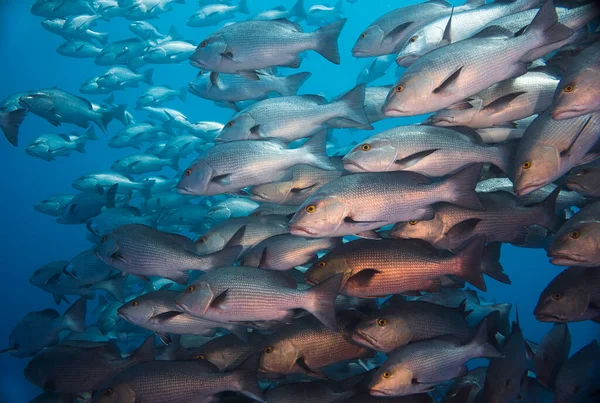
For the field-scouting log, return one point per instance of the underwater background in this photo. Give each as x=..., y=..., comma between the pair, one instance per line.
x=30, y=239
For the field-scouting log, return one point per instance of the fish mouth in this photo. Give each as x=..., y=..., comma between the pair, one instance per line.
x=563, y=259
x=378, y=392
x=184, y=190
x=182, y=306
x=300, y=230
x=393, y=112
x=198, y=63
x=363, y=338
x=359, y=53
x=558, y=114
x=352, y=166
x=546, y=317
x=524, y=191
x=440, y=119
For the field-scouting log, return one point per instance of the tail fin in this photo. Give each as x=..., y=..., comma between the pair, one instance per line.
x=545, y=28
x=503, y=319
x=298, y=11
x=460, y=188
x=503, y=155
x=243, y=7
x=175, y=36
x=224, y=257
x=111, y=195
x=485, y=337
x=115, y=286
x=244, y=380
x=148, y=77
x=74, y=317
x=549, y=219
x=320, y=300
x=146, y=188
x=339, y=8
x=145, y=352
x=326, y=41
x=490, y=263
x=183, y=94
x=291, y=84
x=80, y=145
x=102, y=37
x=10, y=123
x=468, y=261
x=175, y=163
x=90, y=134
x=109, y=115
x=354, y=107
x=315, y=153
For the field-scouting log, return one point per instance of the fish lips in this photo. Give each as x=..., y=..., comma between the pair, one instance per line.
x=300, y=230
x=564, y=259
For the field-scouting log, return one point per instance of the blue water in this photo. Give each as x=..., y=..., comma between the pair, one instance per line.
x=30, y=239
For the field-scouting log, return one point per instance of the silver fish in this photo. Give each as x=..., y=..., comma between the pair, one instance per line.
x=50, y=146
x=156, y=96
x=214, y=14
x=169, y=52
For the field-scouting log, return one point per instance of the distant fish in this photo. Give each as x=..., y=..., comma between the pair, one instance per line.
x=50, y=146
x=214, y=14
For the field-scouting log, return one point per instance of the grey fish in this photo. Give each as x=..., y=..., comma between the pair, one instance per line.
x=272, y=208
x=503, y=220
x=39, y=329
x=78, y=49
x=58, y=26
x=550, y=148
x=53, y=206
x=231, y=208
x=118, y=78
x=247, y=46
x=156, y=96
x=91, y=86
x=465, y=389
x=296, y=117
x=109, y=179
x=122, y=52
x=324, y=391
x=60, y=8
x=49, y=146
x=213, y=14
x=286, y=251
x=85, y=269
x=576, y=242
x=227, y=352
x=373, y=268
x=113, y=218
x=496, y=135
x=577, y=379
x=142, y=163
x=307, y=345
x=12, y=114
x=232, y=166
x=148, y=9
x=143, y=251
x=572, y=296
x=336, y=209
x=296, y=12
x=169, y=52
x=427, y=150
x=438, y=80
x=551, y=354
x=585, y=180
x=147, y=31
x=181, y=146
x=247, y=294
x=231, y=88
x=137, y=134
x=374, y=70
x=400, y=322
x=502, y=103
x=576, y=95
x=44, y=275
x=88, y=204
x=166, y=200
x=72, y=369
x=58, y=106
x=190, y=215
x=305, y=181
x=321, y=14
x=420, y=366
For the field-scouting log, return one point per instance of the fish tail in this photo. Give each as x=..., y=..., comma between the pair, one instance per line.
x=243, y=379
x=10, y=123
x=183, y=94
x=468, y=261
x=327, y=41
x=298, y=11
x=224, y=257
x=354, y=107
x=102, y=37
x=115, y=286
x=485, y=338
x=146, y=188
x=243, y=7
x=545, y=28
x=491, y=265
x=503, y=154
x=549, y=219
x=174, y=34
x=320, y=300
x=291, y=84
x=145, y=352
x=339, y=7
x=74, y=317
x=315, y=153
x=90, y=134
x=461, y=188
x=147, y=77
x=503, y=318
x=111, y=195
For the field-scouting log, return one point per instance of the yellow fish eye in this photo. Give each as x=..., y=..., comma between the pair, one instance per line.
x=387, y=375
x=526, y=165
x=365, y=147
x=381, y=322
x=556, y=296
x=399, y=88
x=108, y=392
x=322, y=264
x=414, y=38
x=191, y=289
x=412, y=222
x=268, y=350
x=569, y=88
x=187, y=172
x=310, y=209
x=199, y=357
x=574, y=234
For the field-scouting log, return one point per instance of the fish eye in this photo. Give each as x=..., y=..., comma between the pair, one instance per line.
x=387, y=375
x=135, y=303
x=399, y=88
x=322, y=264
x=230, y=123
x=191, y=289
x=365, y=147
x=202, y=240
x=254, y=214
x=412, y=222
x=363, y=35
x=268, y=350
x=526, y=165
x=381, y=322
x=103, y=239
x=310, y=209
x=556, y=296
x=569, y=88
x=108, y=392
x=414, y=38
x=243, y=262
x=203, y=44
x=507, y=382
x=574, y=234
x=199, y=357
x=187, y=172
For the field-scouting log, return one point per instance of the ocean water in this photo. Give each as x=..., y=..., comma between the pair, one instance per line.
x=30, y=239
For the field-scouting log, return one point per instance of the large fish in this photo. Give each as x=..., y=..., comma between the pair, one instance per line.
x=227, y=352
x=577, y=379
x=551, y=354
x=214, y=14
x=439, y=79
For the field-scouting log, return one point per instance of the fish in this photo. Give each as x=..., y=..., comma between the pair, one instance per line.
x=39, y=329
x=320, y=14
x=49, y=146
x=88, y=204
x=551, y=354
x=85, y=269
x=12, y=114
x=232, y=166
x=142, y=163
x=466, y=388
x=503, y=103
x=232, y=89
x=123, y=52
x=296, y=117
x=73, y=369
x=54, y=206
x=60, y=27
x=550, y=148
x=231, y=208
x=147, y=31
x=374, y=268
x=247, y=294
x=106, y=180
x=91, y=86
x=572, y=296
x=156, y=96
x=308, y=345
x=110, y=219
x=576, y=241
x=138, y=133
x=420, y=366
x=213, y=14
x=426, y=150
x=143, y=251
x=386, y=197
x=247, y=46
x=400, y=322
x=227, y=352
x=374, y=69
x=296, y=12
x=147, y=9
x=286, y=251
x=436, y=80
x=584, y=180
x=576, y=380
x=60, y=8
x=575, y=96
x=169, y=52
x=496, y=135
x=79, y=49
x=118, y=78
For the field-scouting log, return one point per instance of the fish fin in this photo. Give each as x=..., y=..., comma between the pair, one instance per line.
x=461, y=186
x=399, y=30
x=239, y=331
x=174, y=34
x=164, y=338
x=545, y=25
x=354, y=107
x=304, y=189
x=491, y=265
x=147, y=77
x=318, y=99
x=262, y=264
x=225, y=257
x=520, y=236
x=413, y=159
x=462, y=308
x=292, y=83
x=462, y=105
x=57, y=298
x=90, y=134
x=255, y=130
x=294, y=63
x=215, y=79
x=115, y=286
x=74, y=317
x=182, y=94
x=327, y=40
x=145, y=352
x=10, y=123
x=315, y=153
x=320, y=301
x=290, y=24
x=447, y=83
x=180, y=277
x=362, y=278
x=551, y=221
x=111, y=195
x=371, y=234
x=494, y=31
x=244, y=378
x=236, y=239
x=464, y=229
x=243, y=7
x=485, y=337
x=298, y=10
x=219, y=300
x=8, y=350
x=498, y=104
x=468, y=260
x=250, y=75
x=222, y=180
x=302, y=366
x=447, y=36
